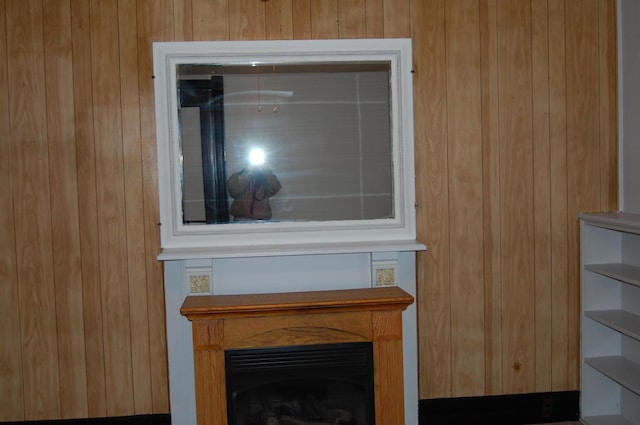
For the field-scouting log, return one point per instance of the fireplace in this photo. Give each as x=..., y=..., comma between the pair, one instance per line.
x=316, y=384
x=333, y=353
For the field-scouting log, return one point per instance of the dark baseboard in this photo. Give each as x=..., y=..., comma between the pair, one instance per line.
x=516, y=409
x=124, y=420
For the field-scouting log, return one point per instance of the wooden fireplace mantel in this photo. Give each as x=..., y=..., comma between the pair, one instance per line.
x=223, y=322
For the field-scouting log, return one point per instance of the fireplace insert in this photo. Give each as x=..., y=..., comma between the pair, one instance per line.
x=329, y=384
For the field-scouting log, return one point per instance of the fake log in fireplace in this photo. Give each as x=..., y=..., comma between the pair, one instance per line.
x=319, y=323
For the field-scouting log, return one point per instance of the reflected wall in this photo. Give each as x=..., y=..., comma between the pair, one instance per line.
x=324, y=129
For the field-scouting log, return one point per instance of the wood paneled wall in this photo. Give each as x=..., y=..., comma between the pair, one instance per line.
x=516, y=131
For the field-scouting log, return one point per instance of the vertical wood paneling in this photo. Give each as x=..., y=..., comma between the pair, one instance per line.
x=324, y=19
x=279, y=19
x=541, y=194
x=155, y=23
x=516, y=184
x=465, y=196
x=87, y=204
x=608, y=72
x=301, y=19
x=558, y=179
x=134, y=206
x=434, y=298
x=397, y=18
x=352, y=18
x=210, y=19
x=107, y=118
x=64, y=208
x=583, y=131
x=183, y=20
x=374, y=17
x=515, y=133
x=246, y=20
x=31, y=205
x=12, y=403
x=491, y=198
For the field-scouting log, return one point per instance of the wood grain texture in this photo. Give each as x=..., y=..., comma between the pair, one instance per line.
x=541, y=194
x=63, y=175
x=11, y=384
x=387, y=366
x=491, y=197
x=182, y=19
x=583, y=163
x=247, y=20
x=32, y=212
x=324, y=19
x=114, y=285
x=432, y=214
x=298, y=330
x=374, y=18
x=301, y=19
x=155, y=23
x=88, y=206
x=465, y=197
x=516, y=187
x=210, y=19
x=559, y=202
x=279, y=20
x=397, y=18
x=257, y=324
x=608, y=103
x=310, y=302
x=134, y=206
x=211, y=394
x=515, y=110
x=388, y=381
x=352, y=18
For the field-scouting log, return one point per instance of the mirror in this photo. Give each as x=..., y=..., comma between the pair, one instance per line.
x=322, y=131
x=284, y=142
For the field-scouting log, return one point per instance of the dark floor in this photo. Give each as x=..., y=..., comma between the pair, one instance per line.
x=128, y=420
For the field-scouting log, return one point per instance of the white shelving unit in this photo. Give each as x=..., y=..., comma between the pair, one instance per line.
x=610, y=384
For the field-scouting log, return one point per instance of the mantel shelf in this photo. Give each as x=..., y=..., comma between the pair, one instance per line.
x=168, y=254
x=209, y=307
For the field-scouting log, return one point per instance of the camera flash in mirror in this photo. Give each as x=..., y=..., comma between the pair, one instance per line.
x=256, y=156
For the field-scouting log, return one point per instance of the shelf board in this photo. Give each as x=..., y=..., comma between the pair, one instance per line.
x=619, y=271
x=619, y=320
x=621, y=370
x=606, y=420
x=191, y=253
x=624, y=222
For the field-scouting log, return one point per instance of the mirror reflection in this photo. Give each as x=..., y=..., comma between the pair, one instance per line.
x=285, y=142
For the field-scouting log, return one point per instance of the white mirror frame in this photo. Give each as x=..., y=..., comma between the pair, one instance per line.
x=246, y=239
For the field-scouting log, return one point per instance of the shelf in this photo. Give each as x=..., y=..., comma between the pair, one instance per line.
x=619, y=271
x=289, y=249
x=619, y=320
x=606, y=420
x=624, y=222
x=201, y=307
x=610, y=284
x=619, y=369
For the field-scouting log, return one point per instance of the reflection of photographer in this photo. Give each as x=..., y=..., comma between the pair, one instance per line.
x=251, y=189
